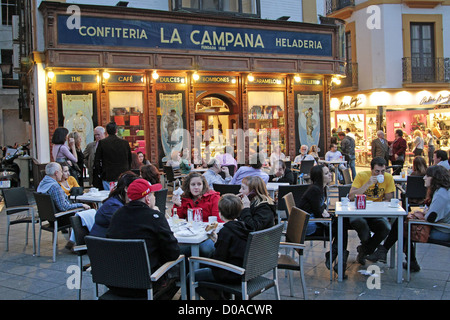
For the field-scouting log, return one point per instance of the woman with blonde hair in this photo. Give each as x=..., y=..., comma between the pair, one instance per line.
x=259, y=208
x=418, y=143
x=314, y=151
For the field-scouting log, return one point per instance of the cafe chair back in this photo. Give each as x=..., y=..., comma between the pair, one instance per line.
x=18, y=207
x=79, y=249
x=297, y=192
x=124, y=263
x=54, y=221
x=161, y=199
x=226, y=188
x=347, y=177
x=253, y=272
x=415, y=189
x=295, y=240
x=172, y=179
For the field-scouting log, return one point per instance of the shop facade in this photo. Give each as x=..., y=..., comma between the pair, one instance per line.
x=407, y=109
x=175, y=81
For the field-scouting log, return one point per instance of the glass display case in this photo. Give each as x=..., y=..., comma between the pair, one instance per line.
x=126, y=109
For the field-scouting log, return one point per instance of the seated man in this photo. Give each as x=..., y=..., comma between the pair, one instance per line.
x=377, y=185
x=212, y=174
x=303, y=156
x=441, y=159
x=334, y=154
x=50, y=185
x=282, y=174
x=254, y=169
x=141, y=219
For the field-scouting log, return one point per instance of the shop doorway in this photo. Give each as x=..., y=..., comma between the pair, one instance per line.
x=216, y=122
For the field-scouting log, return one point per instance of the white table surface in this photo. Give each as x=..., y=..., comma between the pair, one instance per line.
x=398, y=178
x=97, y=197
x=373, y=210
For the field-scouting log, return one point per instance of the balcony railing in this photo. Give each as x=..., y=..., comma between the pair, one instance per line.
x=335, y=5
x=351, y=70
x=416, y=70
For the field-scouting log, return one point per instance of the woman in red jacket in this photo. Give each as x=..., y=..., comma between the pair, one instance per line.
x=397, y=151
x=196, y=194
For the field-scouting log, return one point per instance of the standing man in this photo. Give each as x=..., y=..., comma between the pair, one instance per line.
x=89, y=157
x=112, y=157
x=380, y=147
x=377, y=185
x=348, y=150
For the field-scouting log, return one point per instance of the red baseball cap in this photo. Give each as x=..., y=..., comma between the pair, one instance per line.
x=139, y=188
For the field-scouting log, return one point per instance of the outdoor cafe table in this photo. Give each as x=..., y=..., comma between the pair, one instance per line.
x=96, y=197
x=336, y=164
x=373, y=210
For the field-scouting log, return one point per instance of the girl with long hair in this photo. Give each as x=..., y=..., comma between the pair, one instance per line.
x=259, y=209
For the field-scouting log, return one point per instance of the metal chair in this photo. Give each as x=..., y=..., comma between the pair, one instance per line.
x=253, y=270
x=305, y=168
x=227, y=188
x=295, y=239
x=124, y=263
x=57, y=221
x=79, y=232
x=161, y=199
x=347, y=177
x=16, y=202
x=422, y=222
x=172, y=178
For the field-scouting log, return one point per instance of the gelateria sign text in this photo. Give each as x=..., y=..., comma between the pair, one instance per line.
x=96, y=31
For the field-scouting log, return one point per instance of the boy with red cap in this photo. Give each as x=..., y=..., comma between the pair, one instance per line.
x=140, y=219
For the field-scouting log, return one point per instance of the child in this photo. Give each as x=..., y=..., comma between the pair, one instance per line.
x=230, y=244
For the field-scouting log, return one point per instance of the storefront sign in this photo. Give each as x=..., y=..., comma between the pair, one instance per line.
x=352, y=103
x=76, y=78
x=313, y=82
x=169, y=79
x=436, y=100
x=126, y=78
x=216, y=79
x=266, y=81
x=97, y=31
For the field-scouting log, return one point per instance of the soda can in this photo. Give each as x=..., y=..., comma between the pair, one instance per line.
x=360, y=201
x=190, y=215
x=198, y=214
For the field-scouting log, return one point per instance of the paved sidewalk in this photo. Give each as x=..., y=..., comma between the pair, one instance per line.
x=27, y=277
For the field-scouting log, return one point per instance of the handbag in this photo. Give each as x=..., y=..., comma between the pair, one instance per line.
x=419, y=232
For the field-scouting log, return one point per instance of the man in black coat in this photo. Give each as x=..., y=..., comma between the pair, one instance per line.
x=113, y=156
x=140, y=219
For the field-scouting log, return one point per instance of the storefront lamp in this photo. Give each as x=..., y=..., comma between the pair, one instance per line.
x=297, y=78
x=50, y=76
x=195, y=76
x=250, y=78
x=155, y=75
x=337, y=81
x=106, y=75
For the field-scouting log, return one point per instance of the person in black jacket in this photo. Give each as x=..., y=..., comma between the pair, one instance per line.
x=113, y=156
x=313, y=201
x=259, y=209
x=141, y=219
x=282, y=174
x=230, y=245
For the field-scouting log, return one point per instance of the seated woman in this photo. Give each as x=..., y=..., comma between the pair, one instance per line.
x=313, y=201
x=282, y=174
x=67, y=181
x=259, y=209
x=437, y=182
x=419, y=169
x=142, y=159
x=196, y=194
x=116, y=199
x=150, y=173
